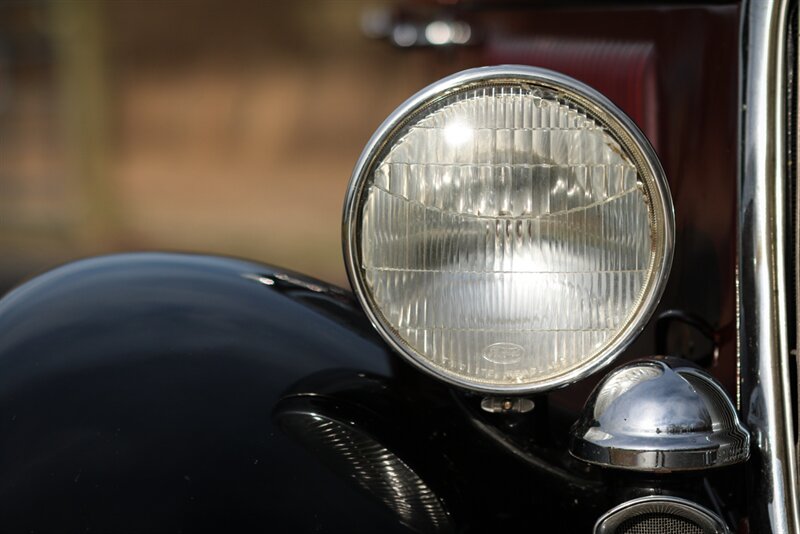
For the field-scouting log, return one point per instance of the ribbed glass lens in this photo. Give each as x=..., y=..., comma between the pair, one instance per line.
x=505, y=235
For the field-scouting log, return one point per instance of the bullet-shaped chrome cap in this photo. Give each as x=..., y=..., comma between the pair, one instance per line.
x=659, y=414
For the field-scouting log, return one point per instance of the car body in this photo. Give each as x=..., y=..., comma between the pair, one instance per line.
x=172, y=392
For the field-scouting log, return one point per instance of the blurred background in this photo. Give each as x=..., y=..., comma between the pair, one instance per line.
x=191, y=125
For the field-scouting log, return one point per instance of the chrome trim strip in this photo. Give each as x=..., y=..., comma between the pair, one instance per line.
x=766, y=389
x=619, y=124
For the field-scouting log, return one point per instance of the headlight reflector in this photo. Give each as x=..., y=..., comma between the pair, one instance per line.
x=508, y=229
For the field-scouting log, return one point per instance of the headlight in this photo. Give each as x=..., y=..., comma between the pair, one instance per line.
x=508, y=229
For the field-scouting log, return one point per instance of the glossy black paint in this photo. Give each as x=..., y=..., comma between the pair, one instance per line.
x=140, y=392
x=136, y=393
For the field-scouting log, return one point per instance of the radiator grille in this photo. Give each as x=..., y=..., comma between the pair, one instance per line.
x=655, y=523
x=660, y=515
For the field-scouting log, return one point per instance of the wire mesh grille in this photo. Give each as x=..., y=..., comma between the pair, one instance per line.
x=659, y=523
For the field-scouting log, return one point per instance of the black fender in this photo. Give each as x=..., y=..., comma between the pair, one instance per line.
x=171, y=392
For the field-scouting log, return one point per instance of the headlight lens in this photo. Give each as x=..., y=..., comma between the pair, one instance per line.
x=508, y=229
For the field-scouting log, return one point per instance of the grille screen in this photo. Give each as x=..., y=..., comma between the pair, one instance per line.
x=660, y=515
x=659, y=523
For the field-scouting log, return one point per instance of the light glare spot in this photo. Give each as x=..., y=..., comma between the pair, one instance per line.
x=461, y=33
x=457, y=133
x=404, y=35
x=438, y=33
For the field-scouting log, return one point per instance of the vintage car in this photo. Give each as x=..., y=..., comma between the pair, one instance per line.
x=573, y=309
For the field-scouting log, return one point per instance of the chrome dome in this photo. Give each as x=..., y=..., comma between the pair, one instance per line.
x=659, y=414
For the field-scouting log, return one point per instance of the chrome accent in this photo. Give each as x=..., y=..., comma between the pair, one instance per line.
x=506, y=404
x=766, y=397
x=792, y=60
x=619, y=125
x=661, y=415
x=705, y=519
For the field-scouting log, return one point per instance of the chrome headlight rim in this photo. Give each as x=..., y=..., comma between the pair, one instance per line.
x=617, y=124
